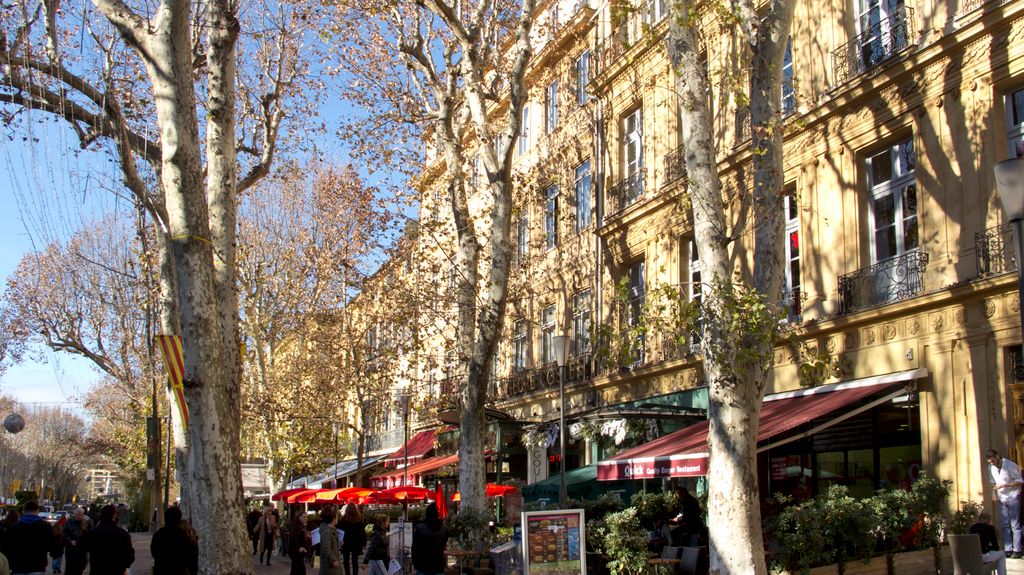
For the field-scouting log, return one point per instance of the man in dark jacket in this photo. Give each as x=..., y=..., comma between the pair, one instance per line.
x=74, y=530
x=109, y=547
x=29, y=541
x=429, y=539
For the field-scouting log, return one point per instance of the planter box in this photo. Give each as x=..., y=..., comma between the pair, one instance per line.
x=906, y=563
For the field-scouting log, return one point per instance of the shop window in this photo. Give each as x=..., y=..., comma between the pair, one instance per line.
x=1015, y=122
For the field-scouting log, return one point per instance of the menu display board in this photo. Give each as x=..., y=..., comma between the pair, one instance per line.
x=553, y=542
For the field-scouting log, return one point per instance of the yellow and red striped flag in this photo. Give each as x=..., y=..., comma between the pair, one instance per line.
x=170, y=345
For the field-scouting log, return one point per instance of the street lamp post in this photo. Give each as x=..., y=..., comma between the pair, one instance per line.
x=1010, y=185
x=403, y=402
x=561, y=349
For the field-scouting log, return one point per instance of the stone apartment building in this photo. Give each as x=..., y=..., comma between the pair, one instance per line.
x=903, y=352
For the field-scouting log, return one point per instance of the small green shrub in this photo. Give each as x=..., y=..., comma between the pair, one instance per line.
x=651, y=506
x=964, y=517
x=624, y=543
x=598, y=508
x=834, y=527
x=470, y=527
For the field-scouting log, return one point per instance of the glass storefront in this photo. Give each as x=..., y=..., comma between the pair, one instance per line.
x=877, y=449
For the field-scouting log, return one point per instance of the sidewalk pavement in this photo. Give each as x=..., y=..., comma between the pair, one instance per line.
x=144, y=560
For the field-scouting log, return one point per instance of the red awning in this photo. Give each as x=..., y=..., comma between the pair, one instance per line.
x=684, y=453
x=419, y=446
x=395, y=478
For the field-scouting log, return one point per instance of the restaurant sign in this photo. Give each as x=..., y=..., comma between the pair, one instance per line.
x=686, y=465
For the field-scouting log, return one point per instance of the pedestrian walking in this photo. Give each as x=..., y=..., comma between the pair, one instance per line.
x=58, y=557
x=330, y=550
x=174, y=550
x=377, y=555
x=265, y=532
x=429, y=539
x=108, y=545
x=29, y=541
x=1006, y=482
x=252, y=522
x=9, y=521
x=74, y=529
x=354, y=528
x=297, y=545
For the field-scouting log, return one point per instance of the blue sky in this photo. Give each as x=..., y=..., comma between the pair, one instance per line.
x=45, y=192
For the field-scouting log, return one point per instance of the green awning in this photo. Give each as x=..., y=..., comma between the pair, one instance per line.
x=580, y=483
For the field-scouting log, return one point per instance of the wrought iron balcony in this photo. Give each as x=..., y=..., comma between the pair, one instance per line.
x=881, y=41
x=675, y=166
x=994, y=250
x=625, y=192
x=889, y=281
x=968, y=6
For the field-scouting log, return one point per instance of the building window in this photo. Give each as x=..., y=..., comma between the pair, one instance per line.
x=524, y=130
x=581, y=187
x=1015, y=122
x=792, y=278
x=519, y=345
x=551, y=107
x=582, y=68
x=893, y=201
x=551, y=216
x=633, y=157
x=883, y=30
x=656, y=10
x=788, y=87
x=547, y=335
x=522, y=230
x=581, y=323
x=636, y=294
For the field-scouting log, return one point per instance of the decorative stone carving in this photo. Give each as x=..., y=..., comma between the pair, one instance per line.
x=1015, y=303
x=936, y=321
x=850, y=340
x=830, y=345
x=869, y=336
x=889, y=331
x=990, y=308
x=960, y=316
x=913, y=326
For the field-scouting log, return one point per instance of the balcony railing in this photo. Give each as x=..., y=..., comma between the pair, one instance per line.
x=881, y=41
x=625, y=192
x=995, y=251
x=968, y=6
x=675, y=166
x=892, y=280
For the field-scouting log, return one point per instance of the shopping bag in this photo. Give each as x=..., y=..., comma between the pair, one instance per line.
x=394, y=567
x=316, y=562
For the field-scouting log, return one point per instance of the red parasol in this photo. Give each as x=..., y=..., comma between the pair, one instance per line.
x=493, y=490
x=345, y=494
x=442, y=502
x=400, y=495
x=282, y=495
x=307, y=496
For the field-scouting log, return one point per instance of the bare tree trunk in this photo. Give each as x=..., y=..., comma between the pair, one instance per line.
x=735, y=390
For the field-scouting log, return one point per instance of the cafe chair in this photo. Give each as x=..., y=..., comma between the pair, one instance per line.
x=966, y=551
